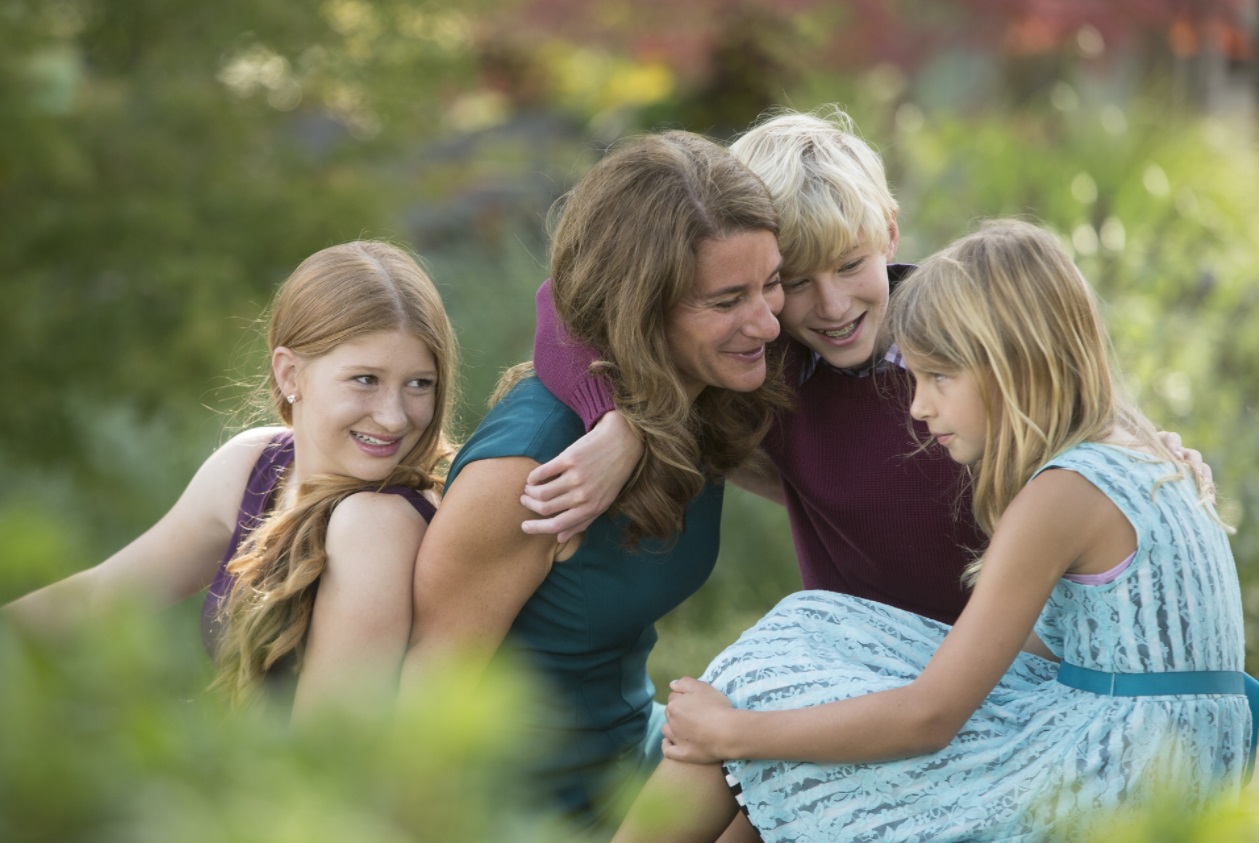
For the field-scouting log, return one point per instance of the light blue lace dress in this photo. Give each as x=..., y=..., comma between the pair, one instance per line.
x=1037, y=756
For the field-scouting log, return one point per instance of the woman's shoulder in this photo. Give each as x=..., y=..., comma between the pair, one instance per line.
x=527, y=421
x=528, y=395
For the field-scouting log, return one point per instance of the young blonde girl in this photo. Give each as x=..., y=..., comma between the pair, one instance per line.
x=307, y=531
x=839, y=718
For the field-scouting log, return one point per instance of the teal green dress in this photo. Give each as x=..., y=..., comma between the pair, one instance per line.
x=590, y=625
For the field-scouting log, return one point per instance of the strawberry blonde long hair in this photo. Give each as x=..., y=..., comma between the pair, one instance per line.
x=337, y=295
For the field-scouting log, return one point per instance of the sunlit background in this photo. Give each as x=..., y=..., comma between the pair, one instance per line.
x=164, y=164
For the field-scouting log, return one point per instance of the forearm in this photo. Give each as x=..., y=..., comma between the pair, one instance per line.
x=563, y=364
x=65, y=605
x=53, y=607
x=875, y=727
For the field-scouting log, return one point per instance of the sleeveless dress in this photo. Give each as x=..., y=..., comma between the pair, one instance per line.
x=589, y=627
x=255, y=505
x=1037, y=756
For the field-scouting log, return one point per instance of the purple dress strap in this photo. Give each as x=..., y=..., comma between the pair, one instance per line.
x=255, y=504
x=257, y=501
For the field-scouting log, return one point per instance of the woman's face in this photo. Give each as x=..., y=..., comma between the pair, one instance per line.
x=717, y=334
x=361, y=407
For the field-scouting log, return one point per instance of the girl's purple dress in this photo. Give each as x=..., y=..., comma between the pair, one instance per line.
x=255, y=505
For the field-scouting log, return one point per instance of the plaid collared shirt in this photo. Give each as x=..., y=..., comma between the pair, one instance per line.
x=893, y=358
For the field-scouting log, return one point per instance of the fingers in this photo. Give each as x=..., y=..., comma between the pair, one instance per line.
x=549, y=470
x=551, y=486
x=675, y=693
x=563, y=526
x=546, y=502
x=675, y=750
x=1206, y=480
x=565, y=511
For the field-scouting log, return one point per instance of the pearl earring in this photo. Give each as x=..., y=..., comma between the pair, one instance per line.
x=292, y=399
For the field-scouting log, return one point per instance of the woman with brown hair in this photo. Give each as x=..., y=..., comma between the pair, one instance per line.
x=664, y=257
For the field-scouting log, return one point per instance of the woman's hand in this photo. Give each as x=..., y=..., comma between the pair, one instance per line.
x=699, y=720
x=579, y=485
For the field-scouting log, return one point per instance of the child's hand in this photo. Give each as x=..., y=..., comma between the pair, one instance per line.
x=698, y=722
x=580, y=484
x=1206, y=481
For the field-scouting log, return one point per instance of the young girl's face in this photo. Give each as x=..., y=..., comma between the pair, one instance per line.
x=837, y=310
x=950, y=404
x=361, y=407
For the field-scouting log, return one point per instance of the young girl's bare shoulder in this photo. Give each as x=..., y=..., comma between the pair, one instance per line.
x=379, y=526
x=376, y=516
x=251, y=442
x=245, y=447
x=1073, y=513
x=1062, y=491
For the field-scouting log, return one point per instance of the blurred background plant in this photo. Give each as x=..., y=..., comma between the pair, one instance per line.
x=164, y=165
x=111, y=737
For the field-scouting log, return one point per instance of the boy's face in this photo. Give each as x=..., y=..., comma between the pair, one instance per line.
x=837, y=311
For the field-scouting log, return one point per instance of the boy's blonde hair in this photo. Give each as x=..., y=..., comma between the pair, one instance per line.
x=828, y=186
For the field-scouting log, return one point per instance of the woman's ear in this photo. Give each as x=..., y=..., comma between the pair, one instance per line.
x=284, y=367
x=894, y=239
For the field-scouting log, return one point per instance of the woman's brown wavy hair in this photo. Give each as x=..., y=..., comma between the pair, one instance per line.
x=623, y=255
x=335, y=296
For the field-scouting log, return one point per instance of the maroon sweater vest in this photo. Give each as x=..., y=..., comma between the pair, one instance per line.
x=871, y=515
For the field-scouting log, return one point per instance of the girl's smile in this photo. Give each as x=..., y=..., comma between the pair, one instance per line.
x=361, y=407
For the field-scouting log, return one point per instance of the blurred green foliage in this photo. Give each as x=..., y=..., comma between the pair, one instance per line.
x=163, y=166
x=112, y=737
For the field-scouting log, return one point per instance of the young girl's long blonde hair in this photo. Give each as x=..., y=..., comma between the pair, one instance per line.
x=335, y=296
x=1007, y=305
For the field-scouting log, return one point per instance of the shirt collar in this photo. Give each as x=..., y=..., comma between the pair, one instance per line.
x=815, y=360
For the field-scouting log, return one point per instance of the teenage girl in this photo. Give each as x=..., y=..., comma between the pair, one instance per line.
x=306, y=532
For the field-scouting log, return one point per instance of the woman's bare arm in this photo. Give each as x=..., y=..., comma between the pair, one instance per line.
x=475, y=570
